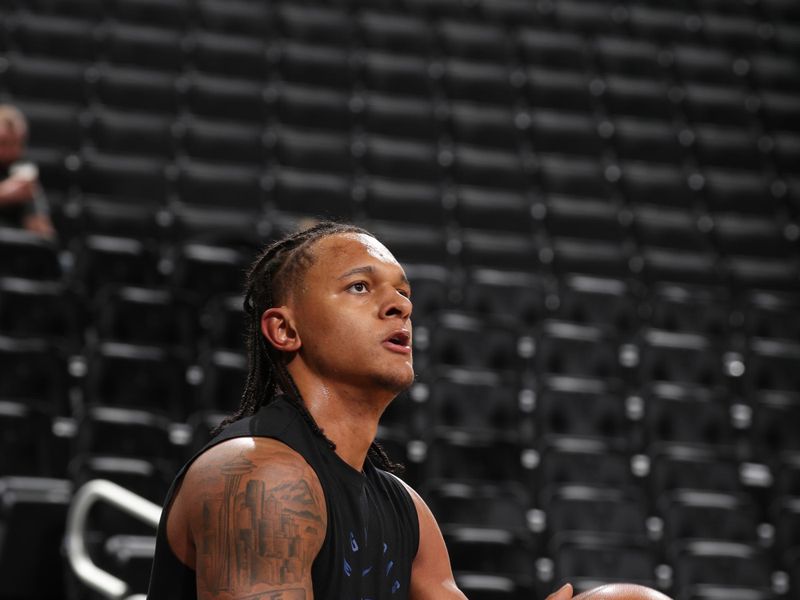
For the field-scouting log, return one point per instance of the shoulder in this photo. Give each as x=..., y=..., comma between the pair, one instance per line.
x=259, y=472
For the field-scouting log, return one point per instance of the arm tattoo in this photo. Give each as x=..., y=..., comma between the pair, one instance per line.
x=259, y=533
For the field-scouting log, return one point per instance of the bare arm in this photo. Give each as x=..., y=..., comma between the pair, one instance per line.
x=250, y=518
x=431, y=574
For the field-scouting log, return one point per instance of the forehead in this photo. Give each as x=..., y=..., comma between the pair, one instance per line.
x=343, y=250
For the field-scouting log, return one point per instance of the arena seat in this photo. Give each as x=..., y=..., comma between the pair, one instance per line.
x=704, y=64
x=124, y=432
x=142, y=46
x=203, y=270
x=394, y=32
x=588, y=561
x=472, y=400
x=478, y=81
x=33, y=516
x=552, y=87
x=565, y=132
x=35, y=372
x=403, y=159
x=24, y=432
x=102, y=260
x=125, y=133
x=619, y=54
x=314, y=106
x=149, y=316
x=316, y=24
x=687, y=358
x=170, y=13
x=222, y=142
x=239, y=17
x=480, y=166
x=51, y=36
x=498, y=249
x=775, y=418
x=224, y=378
x=48, y=79
x=505, y=295
x=134, y=88
x=224, y=97
x=472, y=458
x=484, y=125
x=402, y=200
x=637, y=97
x=677, y=467
x=581, y=413
x=596, y=301
x=769, y=315
x=591, y=461
x=584, y=217
x=313, y=150
x=472, y=41
x=311, y=192
x=229, y=55
x=647, y=139
x=136, y=376
x=655, y=183
x=314, y=64
x=568, y=350
x=34, y=308
x=692, y=516
x=719, y=563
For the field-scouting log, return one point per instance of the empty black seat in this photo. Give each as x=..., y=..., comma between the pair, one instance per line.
x=775, y=419
x=402, y=200
x=315, y=24
x=484, y=125
x=517, y=296
x=472, y=400
x=105, y=260
x=554, y=88
x=772, y=365
x=314, y=64
x=313, y=106
x=51, y=36
x=394, y=32
x=557, y=49
x=497, y=249
x=224, y=377
x=412, y=243
x=478, y=81
x=584, y=217
x=684, y=467
x=313, y=193
x=694, y=515
x=25, y=433
x=169, y=13
x=225, y=97
x=720, y=146
x=687, y=358
x=234, y=17
x=229, y=186
x=479, y=166
x=136, y=376
x=647, y=139
x=569, y=350
x=624, y=55
x=565, y=132
x=230, y=55
x=594, y=301
x=125, y=432
x=33, y=515
x=771, y=315
x=719, y=563
x=34, y=371
x=142, y=46
x=688, y=309
x=144, y=316
x=204, y=270
x=313, y=150
x=127, y=132
x=135, y=88
x=575, y=413
x=656, y=184
x=473, y=458
x=593, y=560
x=452, y=343
x=222, y=141
x=402, y=159
x=35, y=308
x=637, y=97
x=704, y=63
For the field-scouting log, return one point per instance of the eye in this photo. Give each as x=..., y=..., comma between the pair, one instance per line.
x=359, y=287
x=405, y=293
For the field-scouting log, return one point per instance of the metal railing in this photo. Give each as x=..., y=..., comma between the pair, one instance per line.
x=90, y=493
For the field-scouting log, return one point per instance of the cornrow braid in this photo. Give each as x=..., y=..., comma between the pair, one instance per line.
x=275, y=270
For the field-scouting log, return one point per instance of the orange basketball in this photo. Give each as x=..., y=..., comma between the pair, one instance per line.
x=621, y=591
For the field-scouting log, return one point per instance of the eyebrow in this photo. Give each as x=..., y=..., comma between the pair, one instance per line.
x=369, y=270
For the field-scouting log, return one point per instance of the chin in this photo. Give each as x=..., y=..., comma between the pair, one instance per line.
x=397, y=381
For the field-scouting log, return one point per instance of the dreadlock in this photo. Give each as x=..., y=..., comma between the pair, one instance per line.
x=275, y=270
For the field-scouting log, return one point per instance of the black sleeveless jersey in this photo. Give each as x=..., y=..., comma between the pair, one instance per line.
x=372, y=533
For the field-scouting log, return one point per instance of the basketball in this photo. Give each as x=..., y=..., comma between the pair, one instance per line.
x=621, y=591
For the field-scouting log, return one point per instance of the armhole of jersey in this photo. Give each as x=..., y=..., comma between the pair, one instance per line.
x=405, y=490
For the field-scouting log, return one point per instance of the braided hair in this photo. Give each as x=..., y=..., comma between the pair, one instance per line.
x=275, y=270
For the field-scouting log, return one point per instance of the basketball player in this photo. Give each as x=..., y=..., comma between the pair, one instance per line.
x=294, y=500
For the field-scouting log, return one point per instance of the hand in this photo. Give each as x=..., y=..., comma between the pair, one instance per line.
x=41, y=224
x=16, y=190
x=563, y=593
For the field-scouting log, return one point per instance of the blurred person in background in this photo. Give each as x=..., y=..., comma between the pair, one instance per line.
x=22, y=200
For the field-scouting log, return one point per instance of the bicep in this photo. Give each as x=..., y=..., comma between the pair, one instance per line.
x=431, y=573
x=257, y=521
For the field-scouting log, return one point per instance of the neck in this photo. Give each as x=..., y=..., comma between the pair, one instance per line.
x=349, y=416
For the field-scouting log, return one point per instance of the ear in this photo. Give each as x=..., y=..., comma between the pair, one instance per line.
x=278, y=327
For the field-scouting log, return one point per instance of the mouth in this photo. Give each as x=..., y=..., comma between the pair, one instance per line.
x=399, y=341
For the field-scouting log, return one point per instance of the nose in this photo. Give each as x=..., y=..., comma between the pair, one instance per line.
x=396, y=305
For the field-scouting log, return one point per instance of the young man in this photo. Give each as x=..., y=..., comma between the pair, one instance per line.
x=22, y=201
x=292, y=500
